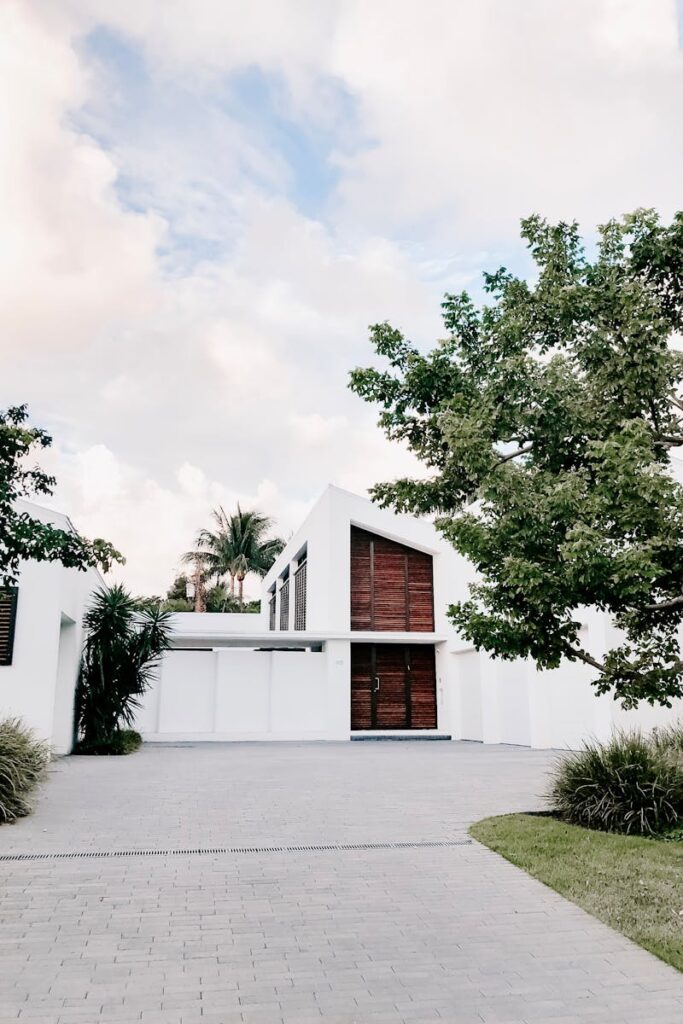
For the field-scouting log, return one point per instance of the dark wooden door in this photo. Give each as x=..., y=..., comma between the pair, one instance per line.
x=393, y=686
x=422, y=686
x=361, y=686
x=391, y=691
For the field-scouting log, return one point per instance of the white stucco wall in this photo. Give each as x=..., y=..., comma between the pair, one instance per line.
x=512, y=702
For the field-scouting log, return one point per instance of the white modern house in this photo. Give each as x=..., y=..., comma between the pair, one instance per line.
x=40, y=641
x=353, y=642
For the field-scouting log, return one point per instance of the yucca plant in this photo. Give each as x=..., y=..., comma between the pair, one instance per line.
x=23, y=763
x=123, y=645
x=629, y=785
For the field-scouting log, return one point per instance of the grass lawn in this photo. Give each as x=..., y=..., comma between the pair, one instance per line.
x=634, y=885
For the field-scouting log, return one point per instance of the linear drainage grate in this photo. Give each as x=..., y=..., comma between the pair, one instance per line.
x=208, y=850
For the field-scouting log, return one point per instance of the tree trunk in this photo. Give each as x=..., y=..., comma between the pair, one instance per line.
x=199, y=593
x=240, y=590
x=232, y=584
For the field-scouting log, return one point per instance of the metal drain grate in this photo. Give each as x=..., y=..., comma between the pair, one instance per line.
x=208, y=850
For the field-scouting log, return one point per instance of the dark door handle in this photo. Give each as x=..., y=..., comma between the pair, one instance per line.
x=375, y=686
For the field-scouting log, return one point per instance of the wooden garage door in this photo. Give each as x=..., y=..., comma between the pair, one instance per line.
x=393, y=686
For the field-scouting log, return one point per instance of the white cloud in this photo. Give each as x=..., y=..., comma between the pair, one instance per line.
x=470, y=113
x=227, y=381
x=486, y=111
x=71, y=258
x=150, y=523
x=313, y=429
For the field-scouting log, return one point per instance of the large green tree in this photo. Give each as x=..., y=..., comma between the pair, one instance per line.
x=23, y=536
x=546, y=418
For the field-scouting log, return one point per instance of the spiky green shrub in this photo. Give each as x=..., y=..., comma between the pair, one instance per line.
x=629, y=784
x=123, y=741
x=123, y=645
x=23, y=763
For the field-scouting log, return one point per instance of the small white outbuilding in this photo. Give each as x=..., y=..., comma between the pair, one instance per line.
x=41, y=628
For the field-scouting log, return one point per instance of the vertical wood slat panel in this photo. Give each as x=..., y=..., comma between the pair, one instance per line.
x=361, y=580
x=420, y=592
x=390, y=591
x=392, y=709
x=392, y=586
x=361, y=686
x=422, y=686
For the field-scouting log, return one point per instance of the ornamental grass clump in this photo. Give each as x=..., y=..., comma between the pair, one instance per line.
x=632, y=784
x=23, y=763
x=669, y=739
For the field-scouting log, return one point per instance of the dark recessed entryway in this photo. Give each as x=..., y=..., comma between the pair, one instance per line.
x=393, y=686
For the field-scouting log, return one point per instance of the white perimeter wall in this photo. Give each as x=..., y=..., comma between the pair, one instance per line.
x=238, y=694
x=511, y=702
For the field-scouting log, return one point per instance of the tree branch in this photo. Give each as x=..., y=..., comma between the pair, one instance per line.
x=520, y=451
x=675, y=602
x=581, y=655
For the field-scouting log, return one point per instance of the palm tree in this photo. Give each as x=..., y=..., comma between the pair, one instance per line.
x=254, y=552
x=198, y=578
x=235, y=547
x=121, y=651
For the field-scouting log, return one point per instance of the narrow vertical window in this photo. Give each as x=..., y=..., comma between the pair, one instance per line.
x=8, y=618
x=300, y=595
x=284, y=605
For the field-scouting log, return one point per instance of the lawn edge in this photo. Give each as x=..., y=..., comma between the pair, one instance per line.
x=608, y=924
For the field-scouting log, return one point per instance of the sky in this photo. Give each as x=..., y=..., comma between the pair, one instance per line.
x=205, y=204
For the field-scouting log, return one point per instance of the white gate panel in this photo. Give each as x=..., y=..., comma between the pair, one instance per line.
x=299, y=693
x=186, y=696
x=513, y=702
x=468, y=677
x=243, y=691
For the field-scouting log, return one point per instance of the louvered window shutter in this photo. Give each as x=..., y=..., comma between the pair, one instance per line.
x=8, y=618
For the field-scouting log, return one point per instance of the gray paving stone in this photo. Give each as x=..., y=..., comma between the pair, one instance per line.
x=398, y=935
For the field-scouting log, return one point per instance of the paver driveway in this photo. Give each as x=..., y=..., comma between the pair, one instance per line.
x=417, y=933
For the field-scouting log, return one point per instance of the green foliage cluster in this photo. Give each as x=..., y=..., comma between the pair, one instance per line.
x=545, y=419
x=122, y=648
x=23, y=764
x=123, y=741
x=22, y=536
x=632, y=784
x=217, y=598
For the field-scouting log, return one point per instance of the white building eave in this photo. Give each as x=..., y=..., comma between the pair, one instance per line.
x=295, y=638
